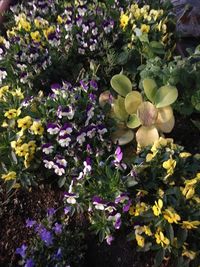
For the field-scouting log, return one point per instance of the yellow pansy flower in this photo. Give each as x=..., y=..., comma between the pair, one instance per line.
x=32, y=147
x=11, y=33
x=59, y=19
x=9, y=176
x=22, y=150
x=161, y=239
x=3, y=90
x=16, y=186
x=18, y=93
x=190, y=224
x=189, y=254
x=138, y=209
x=36, y=37
x=147, y=230
x=41, y=23
x=12, y=113
x=157, y=207
x=140, y=240
x=48, y=31
x=171, y=216
x=124, y=19
x=169, y=165
x=27, y=160
x=37, y=128
x=25, y=122
x=145, y=28
x=24, y=24
x=185, y=155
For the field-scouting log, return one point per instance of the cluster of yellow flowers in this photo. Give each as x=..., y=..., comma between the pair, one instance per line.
x=144, y=20
x=26, y=150
x=40, y=28
x=189, y=190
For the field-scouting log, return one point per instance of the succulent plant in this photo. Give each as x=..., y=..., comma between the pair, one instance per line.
x=152, y=116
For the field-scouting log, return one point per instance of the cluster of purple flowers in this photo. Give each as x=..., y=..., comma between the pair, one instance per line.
x=51, y=242
x=74, y=129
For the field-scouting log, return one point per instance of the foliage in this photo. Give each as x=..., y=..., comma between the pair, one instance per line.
x=179, y=72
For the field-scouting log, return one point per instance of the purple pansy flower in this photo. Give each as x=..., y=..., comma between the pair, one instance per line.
x=30, y=223
x=49, y=164
x=98, y=202
x=87, y=166
x=109, y=239
x=46, y=236
x=126, y=207
x=21, y=251
x=57, y=228
x=59, y=169
x=29, y=263
x=47, y=148
x=64, y=140
x=67, y=210
x=53, y=128
x=50, y=212
x=81, y=137
x=70, y=197
x=121, y=198
x=66, y=129
x=118, y=155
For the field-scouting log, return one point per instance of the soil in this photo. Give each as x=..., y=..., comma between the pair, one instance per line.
x=186, y=134
x=25, y=204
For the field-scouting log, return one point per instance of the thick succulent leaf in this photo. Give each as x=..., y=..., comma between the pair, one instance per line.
x=165, y=96
x=147, y=113
x=121, y=84
x=105, y=98
x=165, y=120
x=147, y=135
x=122, y=136
x=119, y=109
x=133, y=121
x=150, y=88
x=132, y=102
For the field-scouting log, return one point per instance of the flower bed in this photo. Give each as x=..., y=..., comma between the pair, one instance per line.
x=91, y=95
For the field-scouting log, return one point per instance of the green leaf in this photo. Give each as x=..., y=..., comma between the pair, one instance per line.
x=121, y=84
x=133, y=121
x=182, y=235
x=119, y=109
x=196, y=123
x=150, y=88
x=122, y=136
x=165, y=96
x=61, y=181
x=132, y=102
x=170, y=232
x=159, y=258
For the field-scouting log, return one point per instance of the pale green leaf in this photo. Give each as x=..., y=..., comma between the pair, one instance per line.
x=121, y=84
x=133, y=121
x=150, y=88
x=165, y=96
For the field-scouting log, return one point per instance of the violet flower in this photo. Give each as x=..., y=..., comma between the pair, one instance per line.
x=29, y=263
x=30, y=223
x=21, y=251
x=98, y=202
x=46, y=236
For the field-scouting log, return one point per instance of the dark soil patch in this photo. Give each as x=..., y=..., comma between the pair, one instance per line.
x=186, y=134
x=23, y=205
